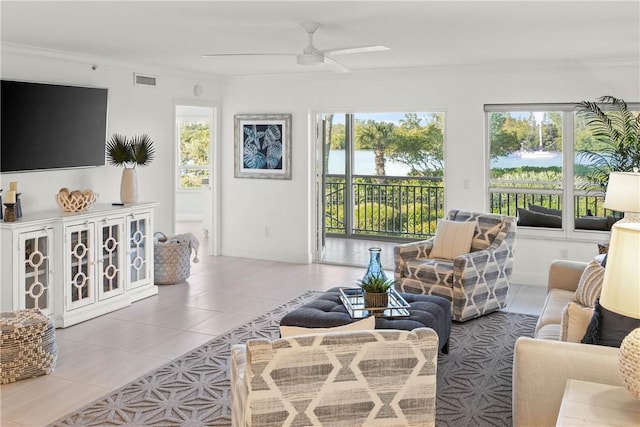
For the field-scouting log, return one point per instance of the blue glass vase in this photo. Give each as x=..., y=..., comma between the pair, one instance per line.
x=375, y=267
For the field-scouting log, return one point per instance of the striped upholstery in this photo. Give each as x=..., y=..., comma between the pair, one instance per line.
x=373, y=378
x=476, y=283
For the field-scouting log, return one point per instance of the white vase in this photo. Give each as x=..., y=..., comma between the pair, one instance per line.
x=129, y=186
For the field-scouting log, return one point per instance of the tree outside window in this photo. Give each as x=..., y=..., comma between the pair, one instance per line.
x=193, y=153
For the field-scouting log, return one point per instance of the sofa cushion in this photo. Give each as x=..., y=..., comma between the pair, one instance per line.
x=608, y=328
x=575, y=319
x=590, y=285
x=366, y=324
x=593, y=223
x=551, y=314
x=538, y=219
x=542, y=209
x=452, y=239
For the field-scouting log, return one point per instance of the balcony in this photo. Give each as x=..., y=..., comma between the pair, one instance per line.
x=407, y=208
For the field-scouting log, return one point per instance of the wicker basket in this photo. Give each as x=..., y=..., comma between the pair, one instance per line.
x=171, y=260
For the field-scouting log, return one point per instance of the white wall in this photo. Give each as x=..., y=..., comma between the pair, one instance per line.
x=287, y=208
x=133, y=110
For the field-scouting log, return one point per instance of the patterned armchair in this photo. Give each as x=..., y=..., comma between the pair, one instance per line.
x=373, y=378
x=476, y=283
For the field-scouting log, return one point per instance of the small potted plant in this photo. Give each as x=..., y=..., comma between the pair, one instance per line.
x=129, y=152
x=376, y=290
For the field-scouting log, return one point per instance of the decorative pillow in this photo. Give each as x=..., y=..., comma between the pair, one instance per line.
x=590, y=284
x=608, y=328
x=593, y=223
x=575, y=319
x=452, y=239
x=538, y=219
x=542, y=209
x=366, y=324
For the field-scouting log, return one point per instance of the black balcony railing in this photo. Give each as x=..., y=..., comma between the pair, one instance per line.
x=405, y=207
x=408, y=207
x=507, y=201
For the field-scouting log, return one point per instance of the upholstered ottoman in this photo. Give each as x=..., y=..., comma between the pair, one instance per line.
x=327, y=311
x=27, y=345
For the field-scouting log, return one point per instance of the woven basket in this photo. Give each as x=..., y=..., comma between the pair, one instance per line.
x=171, y=261
x=375, y=300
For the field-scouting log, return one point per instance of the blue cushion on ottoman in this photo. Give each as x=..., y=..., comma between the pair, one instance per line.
x=328, y=311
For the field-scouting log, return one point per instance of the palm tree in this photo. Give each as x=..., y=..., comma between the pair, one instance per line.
x=377, y=135
x=618, y=131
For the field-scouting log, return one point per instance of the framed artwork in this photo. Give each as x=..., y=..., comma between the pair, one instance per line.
x=263, y=146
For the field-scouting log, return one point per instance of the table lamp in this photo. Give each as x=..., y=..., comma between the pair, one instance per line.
x=621, y=295
x=623, y=195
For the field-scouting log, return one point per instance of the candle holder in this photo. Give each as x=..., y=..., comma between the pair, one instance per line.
x=18, y=206
x=9, y=212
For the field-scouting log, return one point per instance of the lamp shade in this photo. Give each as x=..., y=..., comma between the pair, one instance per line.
x=623, y=192
x=621, y=286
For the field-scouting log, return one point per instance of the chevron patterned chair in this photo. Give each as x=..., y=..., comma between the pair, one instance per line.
x=476, y=282
x=380, y=378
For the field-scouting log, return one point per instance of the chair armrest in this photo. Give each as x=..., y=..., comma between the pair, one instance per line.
x=564, y=274
x=408, y=251
x=541, y=369
x=239, y=387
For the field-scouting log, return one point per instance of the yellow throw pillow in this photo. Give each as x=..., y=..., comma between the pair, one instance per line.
x=366, y=324
x=575, y=319
x=452, y=239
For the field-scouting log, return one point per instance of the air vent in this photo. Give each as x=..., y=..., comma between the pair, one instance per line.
x=142, y=80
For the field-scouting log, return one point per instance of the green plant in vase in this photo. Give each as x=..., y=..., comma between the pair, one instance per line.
x=129, y=152
x=376, y=290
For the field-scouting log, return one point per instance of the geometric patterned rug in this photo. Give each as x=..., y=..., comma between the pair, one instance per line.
x=474, y=379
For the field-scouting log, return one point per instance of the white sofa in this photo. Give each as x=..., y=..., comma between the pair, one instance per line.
x=542, y=365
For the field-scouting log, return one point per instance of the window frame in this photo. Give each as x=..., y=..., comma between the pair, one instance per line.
x=568, y=230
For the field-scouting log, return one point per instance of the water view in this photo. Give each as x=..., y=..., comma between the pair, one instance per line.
x=365, y=163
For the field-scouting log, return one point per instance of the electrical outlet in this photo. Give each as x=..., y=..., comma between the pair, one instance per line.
x=564, y=253
x=267, y=232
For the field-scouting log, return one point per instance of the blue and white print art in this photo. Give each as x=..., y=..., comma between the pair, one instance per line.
x=263, y=144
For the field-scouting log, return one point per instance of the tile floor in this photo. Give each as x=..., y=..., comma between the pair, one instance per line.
x=222, y=293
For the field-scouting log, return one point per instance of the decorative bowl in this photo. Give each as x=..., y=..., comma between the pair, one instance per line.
x=76, y=200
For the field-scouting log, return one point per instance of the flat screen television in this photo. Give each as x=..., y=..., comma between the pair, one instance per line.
x=47, y=126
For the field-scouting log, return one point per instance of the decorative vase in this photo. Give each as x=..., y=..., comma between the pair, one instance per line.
x=375, y=267
x=629, y=362
x=376, y=300
x=129, y=186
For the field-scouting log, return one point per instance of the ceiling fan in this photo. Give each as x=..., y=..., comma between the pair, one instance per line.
x=311, y=55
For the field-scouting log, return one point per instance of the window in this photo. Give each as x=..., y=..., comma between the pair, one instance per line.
x=383, y=173
x=537, y=168
x=193, y=152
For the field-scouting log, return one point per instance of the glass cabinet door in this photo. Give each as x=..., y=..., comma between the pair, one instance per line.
x=110, y=259
x=79, y=277
x=35, y=275
x=138, y=240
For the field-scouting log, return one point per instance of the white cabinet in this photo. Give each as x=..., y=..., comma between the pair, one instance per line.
x=34, y=271
x=76, y=266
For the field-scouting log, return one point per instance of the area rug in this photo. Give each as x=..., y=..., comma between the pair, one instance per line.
x=474, y=379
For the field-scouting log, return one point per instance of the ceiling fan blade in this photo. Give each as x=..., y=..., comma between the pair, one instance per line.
x=355, y=49
x=213, y=55
x=335, y=66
